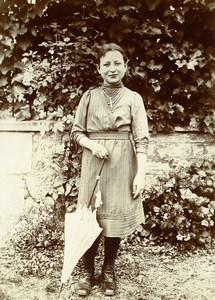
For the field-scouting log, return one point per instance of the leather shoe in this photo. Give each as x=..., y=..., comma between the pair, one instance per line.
x=85, y=284
x=109, y=281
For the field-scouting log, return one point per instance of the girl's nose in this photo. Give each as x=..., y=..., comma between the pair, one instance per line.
x=112, y=68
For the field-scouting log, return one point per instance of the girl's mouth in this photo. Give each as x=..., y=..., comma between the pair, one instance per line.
x=113, y=75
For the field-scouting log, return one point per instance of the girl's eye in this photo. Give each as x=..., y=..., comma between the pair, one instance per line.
x=106, y=65
x=118, y=63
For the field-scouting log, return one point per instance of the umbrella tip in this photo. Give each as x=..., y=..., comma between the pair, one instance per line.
x=60, y=290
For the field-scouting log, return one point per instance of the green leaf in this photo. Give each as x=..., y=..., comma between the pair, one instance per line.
x=205, y=223
x=17, y=78
x=110, y=11
x=151, y=65
x=3, y=81
x=99, y=2
x=4, y=70
x=152, y=5
x=128, y=8
x=23, y=114
x=68, y=188
x=18, y=28
x=24, y=42
x=84, y=29
x=211, y=6
x=8, y=41
x=18, y=90
x=1, y=54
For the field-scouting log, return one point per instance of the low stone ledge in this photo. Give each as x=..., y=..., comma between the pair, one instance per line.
x=21, y=126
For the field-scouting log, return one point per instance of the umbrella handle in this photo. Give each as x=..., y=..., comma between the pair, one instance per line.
x=98, y=177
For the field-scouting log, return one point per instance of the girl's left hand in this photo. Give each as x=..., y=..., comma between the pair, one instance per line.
x=138, y=185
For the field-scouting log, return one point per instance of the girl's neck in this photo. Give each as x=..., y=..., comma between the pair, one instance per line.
x=116, y=85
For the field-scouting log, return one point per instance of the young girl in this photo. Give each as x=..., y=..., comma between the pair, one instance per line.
x=111, y=123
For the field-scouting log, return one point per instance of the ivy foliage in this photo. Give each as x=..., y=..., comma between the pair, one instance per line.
x=48, y=56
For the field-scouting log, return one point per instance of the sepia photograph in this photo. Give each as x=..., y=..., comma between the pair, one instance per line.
x=107, y=149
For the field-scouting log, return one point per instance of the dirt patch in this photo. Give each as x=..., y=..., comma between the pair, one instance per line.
x=144, y=273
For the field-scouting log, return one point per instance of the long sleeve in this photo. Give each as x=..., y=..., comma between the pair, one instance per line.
x=79, y=128
x=140, y=129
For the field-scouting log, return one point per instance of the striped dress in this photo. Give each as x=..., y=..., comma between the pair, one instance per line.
x=123, y=130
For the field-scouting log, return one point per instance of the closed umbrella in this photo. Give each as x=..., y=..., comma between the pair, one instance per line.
x=81, y=230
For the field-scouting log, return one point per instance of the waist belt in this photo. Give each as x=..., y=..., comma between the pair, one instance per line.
x=109, y=135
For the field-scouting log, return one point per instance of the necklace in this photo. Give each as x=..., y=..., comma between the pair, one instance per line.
x=112, y=95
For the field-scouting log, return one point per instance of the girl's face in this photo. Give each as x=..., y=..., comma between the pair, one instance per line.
x=112, y=67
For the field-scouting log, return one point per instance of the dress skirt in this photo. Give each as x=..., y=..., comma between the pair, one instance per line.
x=120, y=214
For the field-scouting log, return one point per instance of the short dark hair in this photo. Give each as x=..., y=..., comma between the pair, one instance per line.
x=111, y=47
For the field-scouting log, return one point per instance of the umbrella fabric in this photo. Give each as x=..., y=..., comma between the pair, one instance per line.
x=81, y=230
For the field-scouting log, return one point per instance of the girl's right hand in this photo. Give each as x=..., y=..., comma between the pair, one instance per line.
x=99, y=150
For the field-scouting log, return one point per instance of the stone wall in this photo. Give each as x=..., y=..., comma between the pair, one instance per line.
x=25, y=154
x=180, y=145
x=25, y=162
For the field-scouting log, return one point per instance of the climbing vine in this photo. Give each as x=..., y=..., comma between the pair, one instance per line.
x=48, y=57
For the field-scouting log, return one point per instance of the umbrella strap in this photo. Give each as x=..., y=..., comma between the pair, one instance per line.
x=97, y=181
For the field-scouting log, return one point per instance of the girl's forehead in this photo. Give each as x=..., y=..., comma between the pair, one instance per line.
x=112, y=55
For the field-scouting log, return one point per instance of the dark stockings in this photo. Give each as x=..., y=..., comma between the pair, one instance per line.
x=108, y=273
x=111, y=246
x=89, y=256
x=111, y=249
